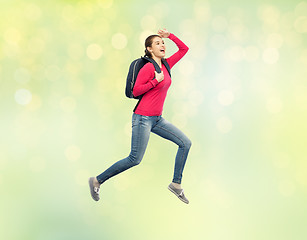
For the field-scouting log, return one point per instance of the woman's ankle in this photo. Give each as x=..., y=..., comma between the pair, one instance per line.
x=96, y=183
x=176, y=185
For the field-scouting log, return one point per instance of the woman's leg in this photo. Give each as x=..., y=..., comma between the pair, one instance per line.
x=168, y=131
x=140, y=135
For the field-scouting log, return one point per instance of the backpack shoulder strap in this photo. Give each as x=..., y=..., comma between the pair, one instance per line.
x=165, y=63
x=157, y=68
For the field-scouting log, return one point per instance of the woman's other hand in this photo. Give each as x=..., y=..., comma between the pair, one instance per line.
x=159, y=76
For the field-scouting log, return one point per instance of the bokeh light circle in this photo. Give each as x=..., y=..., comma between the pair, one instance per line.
x=23, y=96
x=225, y=97
x=119, y=41
x=224, y=125
x=22, y=75
x=94, y=51
x=72, y=153
x=270, y=55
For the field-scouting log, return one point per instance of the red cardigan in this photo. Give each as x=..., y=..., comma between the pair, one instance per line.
x=155, y=92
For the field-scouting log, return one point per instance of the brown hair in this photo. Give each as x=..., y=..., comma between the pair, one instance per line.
x=148, y=43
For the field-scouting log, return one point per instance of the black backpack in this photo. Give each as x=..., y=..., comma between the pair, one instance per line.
x=134, y=69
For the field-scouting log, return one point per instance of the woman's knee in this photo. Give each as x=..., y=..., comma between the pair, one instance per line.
x=134, y=160
x=186, y=143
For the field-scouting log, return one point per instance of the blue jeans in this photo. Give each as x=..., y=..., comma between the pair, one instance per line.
x=141, y=128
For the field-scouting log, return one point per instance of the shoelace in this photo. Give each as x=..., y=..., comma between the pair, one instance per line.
x=181, y=194
x=96, y=190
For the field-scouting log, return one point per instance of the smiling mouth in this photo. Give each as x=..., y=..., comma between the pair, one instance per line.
x=162, y=50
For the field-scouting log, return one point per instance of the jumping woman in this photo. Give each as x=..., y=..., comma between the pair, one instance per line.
x=147, y=117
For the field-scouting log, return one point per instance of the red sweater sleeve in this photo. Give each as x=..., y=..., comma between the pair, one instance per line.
x=145, y=80
x=172, y=60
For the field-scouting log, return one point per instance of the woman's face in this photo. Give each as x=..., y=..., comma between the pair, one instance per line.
x=157, y=48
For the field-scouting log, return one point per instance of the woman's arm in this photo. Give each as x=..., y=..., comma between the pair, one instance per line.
x=144, y=81
x=172, y=60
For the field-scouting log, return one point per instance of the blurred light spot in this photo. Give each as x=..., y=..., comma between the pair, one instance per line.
x=85, y=9
x=301, y=176
x=148, y=22
x=303, y=57
x=202, y=10
x=119, y=41
x=270, y=55
x=281, y=160
x=126, y=29
x=3, y=159
x=68, y=104
x=216, y=193
x=37, y=164
x=300, y=24
x=75, y=51
x=23, y=96
x=128, y=128
x=219, y=24
x=122, y=183
x=293, y=39
x=236, y=53
x=143, y=37
x=11, y=50
x=73, y=68
x=187, y=28
x=36, y=45
x=224, y=125
x=218, y=41
x=274, y=40
x=72, y=153
x=196, y=97
x=105, y=3
x=81, y=177
x=94, y=51
x=101, y=26
x=160, y=9
x=52, y=72
x=238, y=32
x=300, y=97
x=192, y=111
x=69, y=13
x=35, y=103
x=32, y=12
x=12, y=35
x=76, y=87
x=269, y=14
x=225, y=97
x=22, y=75
x=69, y=122
x=301, y=9
x=186, y=67
x=286, y=188
x=274, y=105
x=179, y=120
x=251, y=53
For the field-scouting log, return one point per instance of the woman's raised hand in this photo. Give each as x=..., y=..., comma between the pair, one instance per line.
x=163, y=33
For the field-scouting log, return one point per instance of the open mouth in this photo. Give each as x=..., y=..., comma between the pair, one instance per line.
x=162, y=50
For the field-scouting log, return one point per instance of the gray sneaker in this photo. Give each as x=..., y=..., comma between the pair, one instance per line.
x=179, y=193
x=94, y=190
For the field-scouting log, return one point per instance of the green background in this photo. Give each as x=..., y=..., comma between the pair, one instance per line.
x=240, y=94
